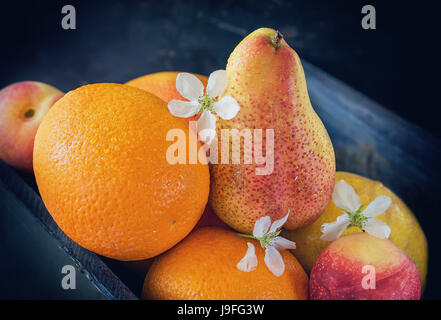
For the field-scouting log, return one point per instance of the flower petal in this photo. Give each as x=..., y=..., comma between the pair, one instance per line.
x=183, y=109
x=377, y=207
x=274, y=261
x=344, y=197
x=226, y=108
x=261, y=226
x=207, y=127
x=281, y=243
x=217, y=83
x=249, y=261
x=189, y=86
x=278, y=223
x=377, y=228
x=332, y=231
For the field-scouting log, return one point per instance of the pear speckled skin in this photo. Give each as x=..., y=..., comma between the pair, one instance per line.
x=267, y=80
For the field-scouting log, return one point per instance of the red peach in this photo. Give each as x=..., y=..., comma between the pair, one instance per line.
x=22, y=107
x=362, y=267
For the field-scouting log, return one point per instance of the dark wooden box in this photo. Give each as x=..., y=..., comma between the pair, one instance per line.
x=368, y=140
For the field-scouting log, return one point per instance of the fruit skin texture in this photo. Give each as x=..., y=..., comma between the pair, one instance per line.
x=269, y=84
x=208, y=219
x=406, y=232
x=162, y=84
x=101, y=169
x=337, y=273
x=22, y=107
x=203, y=267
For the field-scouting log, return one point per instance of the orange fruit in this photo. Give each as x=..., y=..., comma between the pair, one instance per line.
x=203, y=266
x=101, y=169
x=208, y=219
x=162, y=84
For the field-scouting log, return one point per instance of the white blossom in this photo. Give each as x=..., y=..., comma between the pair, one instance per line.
x=268, y=236
x=208, y=104
x=346, y=198
x=249, y=261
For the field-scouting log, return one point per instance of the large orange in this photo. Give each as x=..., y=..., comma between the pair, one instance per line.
x=162, y=84
x=203, y=266
x=101, y=168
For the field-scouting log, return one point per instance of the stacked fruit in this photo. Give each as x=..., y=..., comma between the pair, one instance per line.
x=114, y=174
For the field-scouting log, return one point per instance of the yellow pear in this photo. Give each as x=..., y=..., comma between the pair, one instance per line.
x=266, y=78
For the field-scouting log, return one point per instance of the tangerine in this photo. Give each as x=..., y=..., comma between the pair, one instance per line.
x=204, y=266
x=162, y=84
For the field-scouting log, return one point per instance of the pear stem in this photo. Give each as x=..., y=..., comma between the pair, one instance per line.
x=277, y=39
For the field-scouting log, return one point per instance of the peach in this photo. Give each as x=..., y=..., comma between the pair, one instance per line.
x=22, y=107
x=362, y=267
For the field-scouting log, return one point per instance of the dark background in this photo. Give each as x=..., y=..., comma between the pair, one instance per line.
x=396, y=64
x=115, y=41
